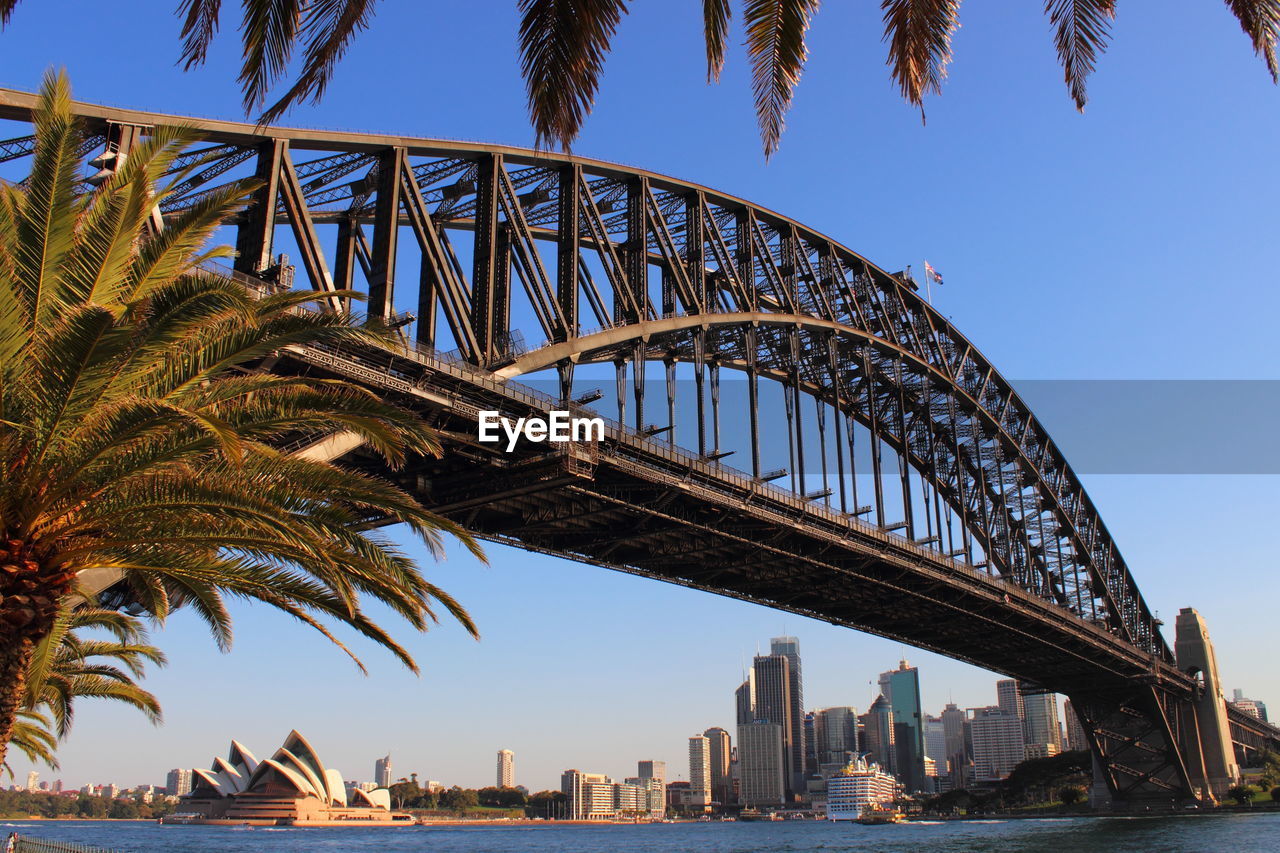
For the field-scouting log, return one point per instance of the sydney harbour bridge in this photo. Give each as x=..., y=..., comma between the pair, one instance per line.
x=919, y=497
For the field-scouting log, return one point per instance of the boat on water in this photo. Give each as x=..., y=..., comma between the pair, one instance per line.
x=879, y=816
x=756, y=814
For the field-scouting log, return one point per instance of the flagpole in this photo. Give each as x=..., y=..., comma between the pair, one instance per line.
x=928, y=285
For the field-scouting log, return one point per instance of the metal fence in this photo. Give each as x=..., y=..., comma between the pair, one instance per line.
x=27, y=844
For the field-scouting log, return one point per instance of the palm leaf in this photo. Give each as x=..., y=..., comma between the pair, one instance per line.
x=199, y=26
x=715, y=17
x=563, y=44
x=776, y=48
x=1260, y=20
x=1080, y=28
x=268, y=32
x=919, y=36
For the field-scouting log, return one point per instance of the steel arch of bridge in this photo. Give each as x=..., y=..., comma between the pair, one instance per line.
x=671, y=272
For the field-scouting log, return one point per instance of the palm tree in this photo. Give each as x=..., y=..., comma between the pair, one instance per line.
x=563, y=45
x=135, y=439
x=66, y=664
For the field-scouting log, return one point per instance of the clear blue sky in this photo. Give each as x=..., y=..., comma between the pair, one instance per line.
x=1136, y=241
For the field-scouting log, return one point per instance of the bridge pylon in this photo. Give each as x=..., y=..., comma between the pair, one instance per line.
x=1207, y=745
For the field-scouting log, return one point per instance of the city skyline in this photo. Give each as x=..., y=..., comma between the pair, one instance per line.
x=1003, y=280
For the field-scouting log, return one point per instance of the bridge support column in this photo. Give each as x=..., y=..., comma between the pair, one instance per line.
x=1209, y=739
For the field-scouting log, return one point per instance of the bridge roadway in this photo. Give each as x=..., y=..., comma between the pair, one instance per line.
x=642, y=505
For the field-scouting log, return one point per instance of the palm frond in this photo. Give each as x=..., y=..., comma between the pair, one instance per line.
x=919, y=36
x=563, y=45
x=199, y=26
x=776, y=47
x=715, y=26
x=329, y=26
x=1260, y=20
x=34, y=739
x=268, y=32
x=1080, y=32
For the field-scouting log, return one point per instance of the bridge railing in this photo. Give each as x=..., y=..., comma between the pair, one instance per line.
x=27, y=844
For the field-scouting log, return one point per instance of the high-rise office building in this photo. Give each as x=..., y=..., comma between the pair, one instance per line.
x=908, y=725
x=178, y=782
x=1009, y=698
x=699, y=770
x=878, y=735
x=1040, y=722
x=744, y=700
x=761, y=764
x=773, y=705
x=835, y=733
x=1076, y=738
x=506, y=768
x=721, y=755
x=997, y=743
x=652, y=770
x=382, y=771
x=789, y=647
x=935, y=741
x=810, y=745
x=953, y=730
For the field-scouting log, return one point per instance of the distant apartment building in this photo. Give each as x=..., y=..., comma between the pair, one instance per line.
x=178, y=782
x=699, y=771
x=591, y=795
x=382, y=771
x=506, y=768
x=33, y=781
x=655, y=795
x=998, y=746
x=761, y=765
x=721, y=757
x=1252, y=707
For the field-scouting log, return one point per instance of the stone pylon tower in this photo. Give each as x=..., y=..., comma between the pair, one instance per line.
x=1213, y=758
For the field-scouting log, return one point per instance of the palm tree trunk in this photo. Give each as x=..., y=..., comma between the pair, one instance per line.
x=15, y=656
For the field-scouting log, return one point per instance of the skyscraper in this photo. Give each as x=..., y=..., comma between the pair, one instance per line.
x=953, y=731
x=721, y=753
x=382, y=771
x=1075, y=732
x=835, y=734
x=789, y=647
x=506, y=768
x=935, y=742
x=1009, y=698
x=997, y=743
x=773, y=705
x=878, y=735
x=745, y=700
x=699, y=770
x=908, y=725
x=1040, y=722
x=761, y=763
x=33, y=779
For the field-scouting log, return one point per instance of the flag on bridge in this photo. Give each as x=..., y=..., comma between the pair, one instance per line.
x=932, y=274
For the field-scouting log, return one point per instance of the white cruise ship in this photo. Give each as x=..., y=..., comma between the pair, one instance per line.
x=858, y=787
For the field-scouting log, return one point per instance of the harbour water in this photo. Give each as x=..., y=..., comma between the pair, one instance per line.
x=1239, y=833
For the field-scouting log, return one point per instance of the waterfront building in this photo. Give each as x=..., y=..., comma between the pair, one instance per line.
x=178, y=782
x=33, y=779
x=699, y=771
x=721, y=755
x=506, y=768
x=590, y=795
x=762, y=764
x=859, y=786
x=382, y=771
x=878, y=740
x=652, y=770
x=655, y=795
x=293, y=787
x=835, y=732
x=1040, y=722
x=998, y=746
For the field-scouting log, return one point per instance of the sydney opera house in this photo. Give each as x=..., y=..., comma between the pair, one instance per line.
x=291, y=788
